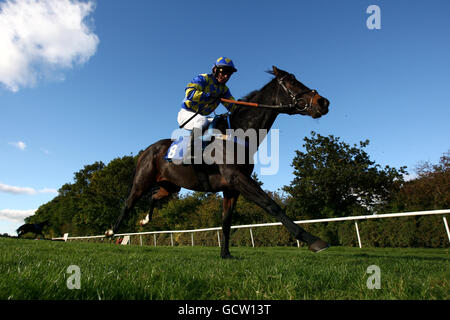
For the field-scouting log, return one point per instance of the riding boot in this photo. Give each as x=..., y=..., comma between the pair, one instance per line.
x=194, y=157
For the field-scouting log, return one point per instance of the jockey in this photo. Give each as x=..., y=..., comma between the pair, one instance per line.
x=203, y=93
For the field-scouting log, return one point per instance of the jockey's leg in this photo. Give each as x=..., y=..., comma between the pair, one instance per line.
x=196, y=126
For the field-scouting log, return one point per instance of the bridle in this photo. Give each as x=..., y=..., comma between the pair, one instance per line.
x=295, y=97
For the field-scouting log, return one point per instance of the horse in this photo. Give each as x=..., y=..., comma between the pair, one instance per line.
x=283, y=94
x=35, y=228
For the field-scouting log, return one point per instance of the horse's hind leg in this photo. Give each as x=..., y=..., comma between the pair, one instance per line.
x=135, y=194
x=253, y=192
x=161, y=194
x=142, y=182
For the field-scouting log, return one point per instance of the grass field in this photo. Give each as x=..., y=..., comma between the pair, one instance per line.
x=38, y=270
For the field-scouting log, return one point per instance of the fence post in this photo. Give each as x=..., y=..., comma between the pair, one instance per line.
x=218, y=237
x=446, y=227
x=140, y=237
x=357, y=233
x=192, y=238
x=171, y=238
x=154, y=238
x=251, y=235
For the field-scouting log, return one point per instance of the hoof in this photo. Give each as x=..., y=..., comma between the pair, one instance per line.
x=318, y=245
x=109, y=233
x=227, y=256
x=143, y=222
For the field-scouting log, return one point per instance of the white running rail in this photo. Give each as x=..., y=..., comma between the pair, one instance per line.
x=250, y=226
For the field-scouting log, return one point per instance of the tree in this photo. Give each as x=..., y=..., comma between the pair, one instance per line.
x=93, y=201
x=333, y=179
x=429, y=191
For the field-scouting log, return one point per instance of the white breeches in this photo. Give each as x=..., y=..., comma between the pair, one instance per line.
x=198, y=121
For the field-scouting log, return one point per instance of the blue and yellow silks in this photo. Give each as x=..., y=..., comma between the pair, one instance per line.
x=203, y=94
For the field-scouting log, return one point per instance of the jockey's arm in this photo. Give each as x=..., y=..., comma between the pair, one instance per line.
x=230, y=106
x=197, y=96
x=195, y=90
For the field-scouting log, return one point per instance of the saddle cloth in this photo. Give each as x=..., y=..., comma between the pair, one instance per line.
x=179, y=147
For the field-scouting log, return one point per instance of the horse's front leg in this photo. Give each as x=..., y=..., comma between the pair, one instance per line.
x=253, y=192
x=229, y=203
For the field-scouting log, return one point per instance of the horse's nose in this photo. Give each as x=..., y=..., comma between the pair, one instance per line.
x=324, y=103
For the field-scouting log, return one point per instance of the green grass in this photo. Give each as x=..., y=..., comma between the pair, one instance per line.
x=38, y=270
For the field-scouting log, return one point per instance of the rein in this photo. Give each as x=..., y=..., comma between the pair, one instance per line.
x=296, y=98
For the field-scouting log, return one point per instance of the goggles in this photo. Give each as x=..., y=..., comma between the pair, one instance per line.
x=225, y=71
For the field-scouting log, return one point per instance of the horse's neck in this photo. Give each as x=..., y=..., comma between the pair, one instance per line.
x=254, y=117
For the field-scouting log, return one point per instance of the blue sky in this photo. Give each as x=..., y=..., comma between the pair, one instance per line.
x=114, y=85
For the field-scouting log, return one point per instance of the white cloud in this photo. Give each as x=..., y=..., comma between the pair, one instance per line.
x=16, y=215
x=24, y=190
x=19, y=145
x=47, y=190
x=40, y=38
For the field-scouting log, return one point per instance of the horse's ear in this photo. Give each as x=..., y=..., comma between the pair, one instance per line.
x=275, y=71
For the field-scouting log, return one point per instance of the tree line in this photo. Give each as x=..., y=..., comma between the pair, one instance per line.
x=331, y=179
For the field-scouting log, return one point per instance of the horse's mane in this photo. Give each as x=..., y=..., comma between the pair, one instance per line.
x=253, y=94
x=249, y=96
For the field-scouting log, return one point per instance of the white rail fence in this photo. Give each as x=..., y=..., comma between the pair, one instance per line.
x=251, y=226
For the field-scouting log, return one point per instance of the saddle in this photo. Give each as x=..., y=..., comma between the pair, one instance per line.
x=180, y=148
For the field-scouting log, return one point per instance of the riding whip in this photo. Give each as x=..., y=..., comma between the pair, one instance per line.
x=184, y=123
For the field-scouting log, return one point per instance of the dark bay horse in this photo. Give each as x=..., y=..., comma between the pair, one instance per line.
x=35, y=228
x=283, y=94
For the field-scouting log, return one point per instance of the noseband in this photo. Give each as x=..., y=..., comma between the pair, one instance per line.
x=296, y=98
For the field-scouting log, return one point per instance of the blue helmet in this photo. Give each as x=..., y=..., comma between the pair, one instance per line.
x=225, y=62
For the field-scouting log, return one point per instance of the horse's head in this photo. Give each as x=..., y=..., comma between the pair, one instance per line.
x=299, y=98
